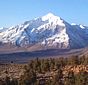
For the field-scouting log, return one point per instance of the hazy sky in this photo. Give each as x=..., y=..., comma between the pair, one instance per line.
x=13, y=12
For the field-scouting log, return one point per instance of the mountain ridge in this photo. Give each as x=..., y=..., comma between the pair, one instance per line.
x=48, y=32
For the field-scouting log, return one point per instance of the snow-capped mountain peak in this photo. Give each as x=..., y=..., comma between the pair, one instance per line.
x=53, y=19
x=47, y=31
x=48, y=16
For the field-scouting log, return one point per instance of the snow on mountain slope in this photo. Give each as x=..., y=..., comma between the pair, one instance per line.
x=48, y=31
x=2, y=29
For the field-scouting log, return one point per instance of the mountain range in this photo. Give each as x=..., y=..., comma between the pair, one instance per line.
x=46, y=32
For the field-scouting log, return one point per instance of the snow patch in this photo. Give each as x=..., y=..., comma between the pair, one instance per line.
x=81, y=26
x=73, y=24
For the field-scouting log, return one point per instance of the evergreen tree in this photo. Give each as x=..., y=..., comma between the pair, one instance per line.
x=82, y=59
x=14, y=81
x=73, y=60
x=58, y=78
x=46, y=65
x=29, y=78
x=82, y=78
x=61, y=62
x=52, y=64
x=7, y=81
x=37, y=65
x=71, y=78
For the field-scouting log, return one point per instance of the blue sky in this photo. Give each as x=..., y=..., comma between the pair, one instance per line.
x=13, y=12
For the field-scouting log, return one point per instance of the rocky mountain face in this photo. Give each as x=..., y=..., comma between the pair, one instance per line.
x=49, y=31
